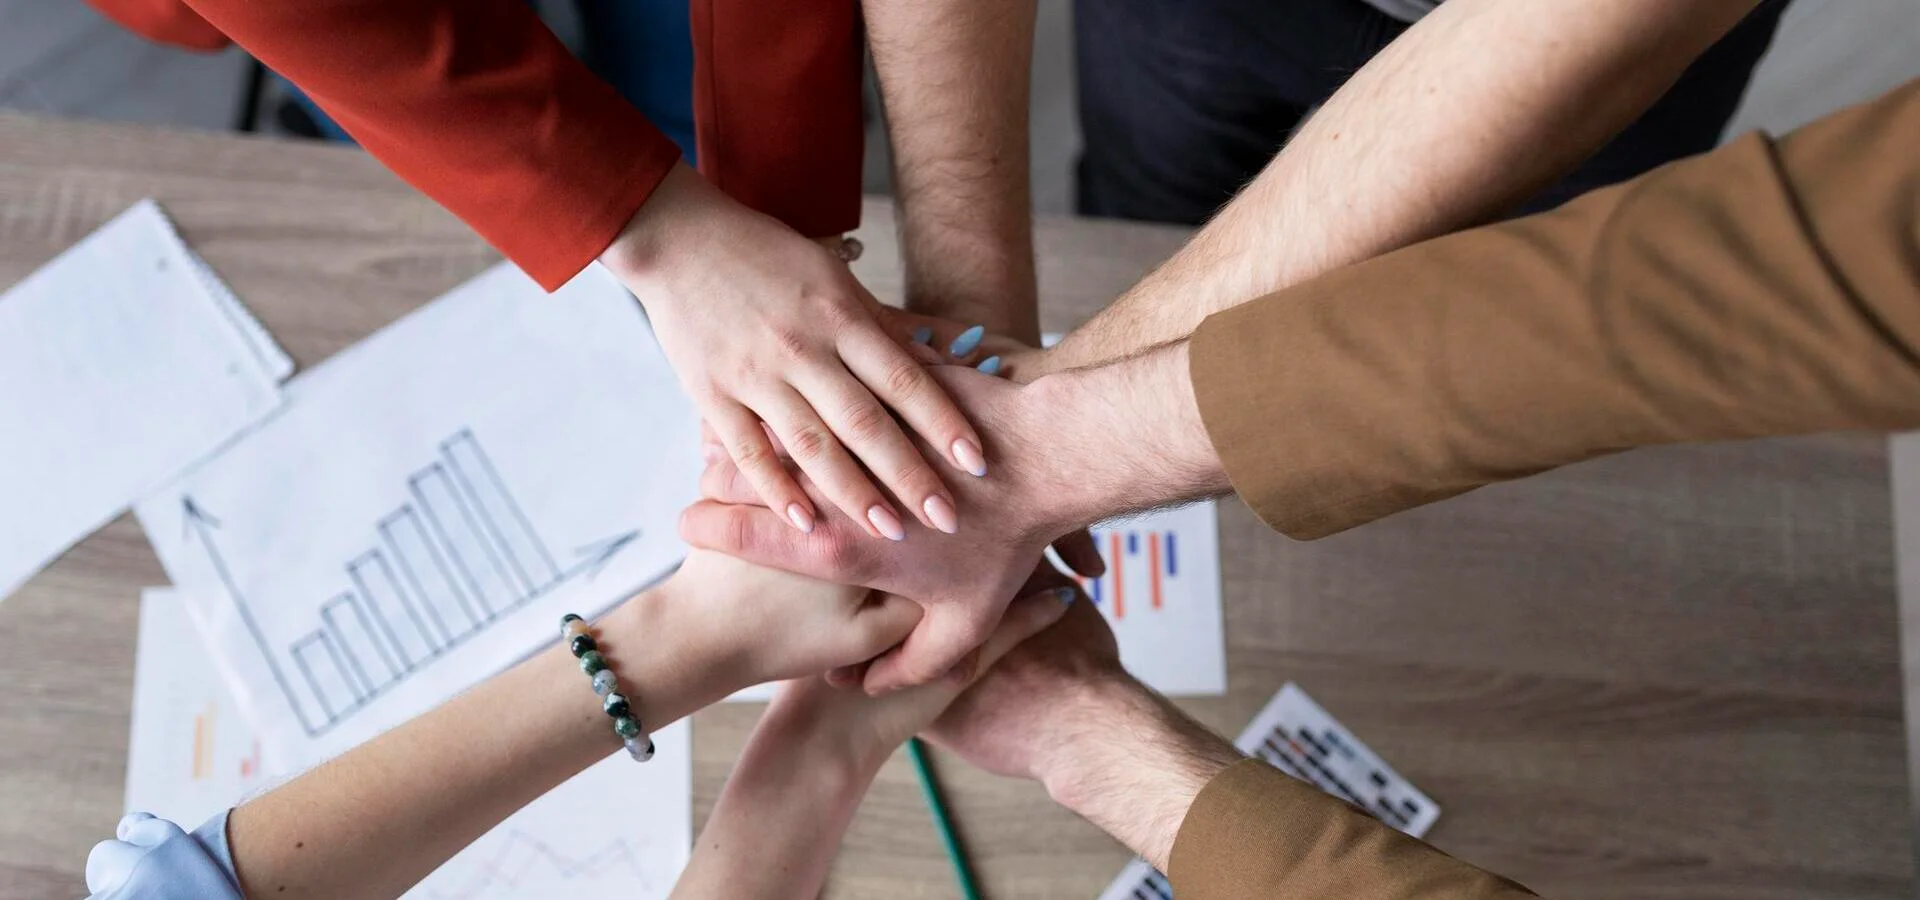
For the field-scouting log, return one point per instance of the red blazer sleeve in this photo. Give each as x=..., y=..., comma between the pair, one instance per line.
x=475, y=103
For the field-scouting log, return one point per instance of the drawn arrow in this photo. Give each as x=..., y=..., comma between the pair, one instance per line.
x=598, y=554
x=195, y=518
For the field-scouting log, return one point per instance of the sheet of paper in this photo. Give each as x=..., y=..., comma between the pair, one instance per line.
x=190, y=753
x=429, y=503
x=1296, y=736
x=122, y=365
x=1161, y=594
x=619, y=829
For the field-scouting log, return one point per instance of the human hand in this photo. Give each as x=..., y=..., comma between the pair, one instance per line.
x=937, y=341
x=963, y=580
x=1031, y=703
x=746, y=624
x=866, y=729
x=763, y=325
x=1059, y=709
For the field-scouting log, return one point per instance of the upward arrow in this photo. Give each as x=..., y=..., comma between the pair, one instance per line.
x=595, y=556
x=198, y=519
x=192, y=514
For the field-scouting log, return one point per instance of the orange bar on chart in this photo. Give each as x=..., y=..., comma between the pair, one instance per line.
x=201, y=728
x=1153, y=564
x=1114, y=568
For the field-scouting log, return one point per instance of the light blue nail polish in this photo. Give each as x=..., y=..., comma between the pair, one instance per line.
x=923, y=335
x=990, y=365
x=1065, y=595
x=967, y=341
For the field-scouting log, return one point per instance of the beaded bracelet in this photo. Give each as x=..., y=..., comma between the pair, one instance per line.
x=575, y=631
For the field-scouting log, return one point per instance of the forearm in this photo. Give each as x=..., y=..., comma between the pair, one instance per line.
x=377, y=819
x=478, y=105
x=954, y=78
x=1129, y=762
x=781, y=816
x=1120, y=438
x=1472, y=110
x=1761, y=289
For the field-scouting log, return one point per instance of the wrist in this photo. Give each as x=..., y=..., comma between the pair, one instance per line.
x=684, y=210
x=802, y=722
x=670, y=661
x=1132, y=765
x=1120, y=438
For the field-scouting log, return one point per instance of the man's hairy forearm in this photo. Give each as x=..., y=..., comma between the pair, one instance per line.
x=1131, y=763
x=1471, y=111
x=1121, y=438
x=954, y=78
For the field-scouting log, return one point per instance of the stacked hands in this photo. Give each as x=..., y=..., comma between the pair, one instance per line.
x=964, y=578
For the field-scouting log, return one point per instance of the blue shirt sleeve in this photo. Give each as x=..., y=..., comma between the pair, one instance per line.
x=153, y=859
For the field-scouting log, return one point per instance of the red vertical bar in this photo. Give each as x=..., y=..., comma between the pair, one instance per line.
x=1114, y=568
x=1153, y=564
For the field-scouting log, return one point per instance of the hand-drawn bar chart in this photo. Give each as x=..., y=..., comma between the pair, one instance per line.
x=455, y=557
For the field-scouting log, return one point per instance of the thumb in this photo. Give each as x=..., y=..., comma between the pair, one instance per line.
x=1025, y=618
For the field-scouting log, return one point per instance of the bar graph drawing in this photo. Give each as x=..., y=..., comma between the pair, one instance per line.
x=1149, y=557
x=455, y=557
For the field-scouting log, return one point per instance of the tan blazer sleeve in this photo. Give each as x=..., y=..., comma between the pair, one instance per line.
x=1255, y=832
x=1761, y=289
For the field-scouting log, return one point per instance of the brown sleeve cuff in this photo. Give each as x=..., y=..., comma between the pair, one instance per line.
x=1254, y=832
x=1288, y=444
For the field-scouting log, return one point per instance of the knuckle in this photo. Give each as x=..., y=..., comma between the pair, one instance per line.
x=915, y=478
x=739, y=533
x=866, y=421
x=841, y=555
x=791, y=343
x=752, y=455
x=904, y=379
x=808, y=442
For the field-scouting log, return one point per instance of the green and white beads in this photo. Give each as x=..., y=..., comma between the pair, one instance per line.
x=606, y=685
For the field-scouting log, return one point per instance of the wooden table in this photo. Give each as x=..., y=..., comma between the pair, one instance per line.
x=1674, y=673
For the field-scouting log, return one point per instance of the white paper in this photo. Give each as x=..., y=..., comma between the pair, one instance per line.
x=1293, y=734
x=428, y=505
x=619, y=829
x=1299, y=738
x=1161, y=594
x=190, y=754
x=120, y=366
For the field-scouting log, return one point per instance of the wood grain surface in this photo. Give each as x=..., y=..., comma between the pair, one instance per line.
x=1673, y=673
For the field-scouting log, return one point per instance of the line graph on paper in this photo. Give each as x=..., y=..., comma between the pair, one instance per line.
x=526, y=866
x=451, y=559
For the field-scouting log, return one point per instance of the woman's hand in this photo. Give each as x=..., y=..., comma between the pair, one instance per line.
x=765, y=326
x=745, y=624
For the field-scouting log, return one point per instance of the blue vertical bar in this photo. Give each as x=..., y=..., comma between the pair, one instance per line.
x=1133, y=543
x=1171, y=568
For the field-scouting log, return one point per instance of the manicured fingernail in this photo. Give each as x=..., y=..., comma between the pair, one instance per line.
x=1065, y=595
x=967, y=341
x=969, y=458
x=940, y=512
x=923, y=335
x=885, y=522
x=802, y=519
x=990, y=365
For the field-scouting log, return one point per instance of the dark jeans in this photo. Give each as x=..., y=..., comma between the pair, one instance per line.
x=1182, y=102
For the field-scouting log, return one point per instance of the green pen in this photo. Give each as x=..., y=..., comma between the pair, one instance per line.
x=942, y=823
